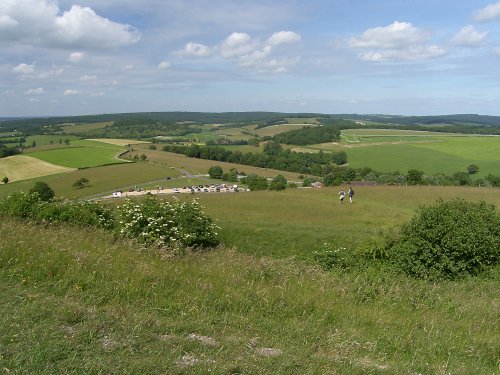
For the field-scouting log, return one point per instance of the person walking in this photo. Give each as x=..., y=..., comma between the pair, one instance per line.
x=342, y=196
x=351, y=194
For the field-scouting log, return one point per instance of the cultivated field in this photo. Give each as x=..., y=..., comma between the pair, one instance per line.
x=389, y=151
x=118, y=142
x=277, y=129
x=22, y=167
x=82, y=154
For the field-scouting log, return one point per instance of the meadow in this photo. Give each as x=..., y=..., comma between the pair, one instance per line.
x=77, y=300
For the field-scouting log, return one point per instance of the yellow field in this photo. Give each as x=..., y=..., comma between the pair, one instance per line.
x=118, y=142
x=22, y=167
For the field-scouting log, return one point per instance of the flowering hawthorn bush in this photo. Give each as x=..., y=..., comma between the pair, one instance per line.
x=170, y=223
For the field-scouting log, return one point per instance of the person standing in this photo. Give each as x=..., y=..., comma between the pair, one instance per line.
x=351, y=194
x=342, y=196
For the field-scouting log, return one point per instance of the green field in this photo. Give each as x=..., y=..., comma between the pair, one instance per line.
x=79, y=300
x=388, y=151
x=275, y=223
x=82, y=154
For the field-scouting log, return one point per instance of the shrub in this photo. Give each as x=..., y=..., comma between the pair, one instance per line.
x=169, y=223
x=20, y=204
x=30, y=206
x=255, y=182
x=215, y=172
x=80, y=213
x=44, y=191
x=448, y=240
x=278, y=183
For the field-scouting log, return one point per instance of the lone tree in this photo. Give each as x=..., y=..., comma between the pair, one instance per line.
x=472, y=169
x=81, y=183
x=215, y=172
x=278, y=183
x=44, y=191
x=5, y=180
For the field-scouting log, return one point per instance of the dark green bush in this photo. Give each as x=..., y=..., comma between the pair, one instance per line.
x=30, y=206
x=448, y=240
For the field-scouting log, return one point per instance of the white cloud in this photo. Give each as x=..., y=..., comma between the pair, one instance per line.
x=76, y=57
x=399, y=41
x=394, y=36
x=70, y=92
x=282, y=37
x=195, y=49
x=261, y=56
x=497, y=50
x=468, y=36
x=37, y=91
x=24, y=69
x=238, y=44
x=411, y=53
x=490, y=12
x=99, y=93
x=165, y=64
x=40, y=22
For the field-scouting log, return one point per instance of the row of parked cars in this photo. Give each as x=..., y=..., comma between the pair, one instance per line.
x=208, y=189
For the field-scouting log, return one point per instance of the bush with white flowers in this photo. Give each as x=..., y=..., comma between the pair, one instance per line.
x=167, y=223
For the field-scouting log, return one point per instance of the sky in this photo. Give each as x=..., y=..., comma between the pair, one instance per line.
x=406, y=57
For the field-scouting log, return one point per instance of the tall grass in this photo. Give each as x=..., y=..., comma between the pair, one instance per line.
x=75, y=300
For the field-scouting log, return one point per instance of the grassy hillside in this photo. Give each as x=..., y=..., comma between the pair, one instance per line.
x=297, y=222
x=76, y=300
x=102, y=179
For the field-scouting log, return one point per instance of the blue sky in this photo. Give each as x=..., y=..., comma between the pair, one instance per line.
x=415, y=57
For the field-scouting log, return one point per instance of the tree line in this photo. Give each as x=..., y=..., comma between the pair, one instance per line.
x=273, y=157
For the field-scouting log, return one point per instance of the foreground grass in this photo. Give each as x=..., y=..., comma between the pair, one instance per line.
x=76, y=301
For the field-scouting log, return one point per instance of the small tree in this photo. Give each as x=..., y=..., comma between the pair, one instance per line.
x=255, y=182
x=278, y=183
x=44, y=191
x=414, y=177
x=215, y=172
x=472, y=169
x=5, y=180
x=231, y=176
x=143, y=157
x=81, y=183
